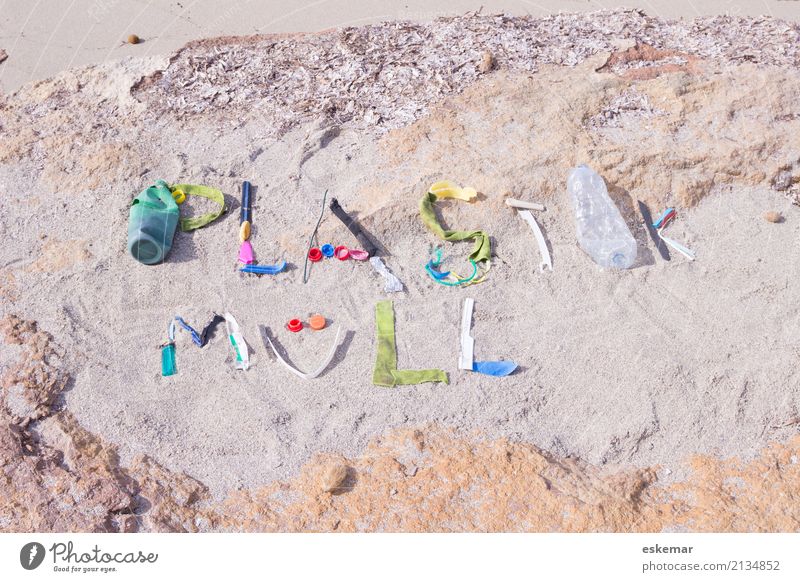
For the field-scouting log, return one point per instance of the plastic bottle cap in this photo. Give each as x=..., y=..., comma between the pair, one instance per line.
x=295, y=325
x=317, y=322
x=327, y=250
x=179, y=196
x=342, y=253
x=314, y=254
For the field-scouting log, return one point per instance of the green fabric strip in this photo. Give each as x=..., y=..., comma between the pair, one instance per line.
x=482, y=250
x=213, y=194
x=386, y=372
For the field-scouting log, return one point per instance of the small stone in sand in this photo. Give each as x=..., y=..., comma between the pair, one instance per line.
x=333, y=477
x=487, y=62
x=3, y=55
x=773, y=216
x=133, y=39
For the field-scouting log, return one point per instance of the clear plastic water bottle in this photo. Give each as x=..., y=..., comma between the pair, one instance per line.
x=602, y=232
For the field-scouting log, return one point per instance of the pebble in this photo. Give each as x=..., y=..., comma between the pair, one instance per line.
x=487, y=62
x=133, y=39
x=773, y=216
x=333, y=477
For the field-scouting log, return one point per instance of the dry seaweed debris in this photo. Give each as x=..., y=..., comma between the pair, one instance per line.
x=387, y=75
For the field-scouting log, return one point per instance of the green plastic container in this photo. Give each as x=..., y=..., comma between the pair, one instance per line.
x=152, y=223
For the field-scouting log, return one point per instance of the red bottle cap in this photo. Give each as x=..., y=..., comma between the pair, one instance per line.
x=295, y=325
x=342, y=253
x=314, y=254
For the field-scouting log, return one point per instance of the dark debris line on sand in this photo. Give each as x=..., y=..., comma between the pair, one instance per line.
x=387, y=75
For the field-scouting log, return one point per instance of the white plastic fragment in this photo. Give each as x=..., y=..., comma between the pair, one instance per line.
x=514, y=203
x=393, y=284
x=466, y=357
x=238, y=343
x=686, y=252
x=307, y=375
x=537, y=232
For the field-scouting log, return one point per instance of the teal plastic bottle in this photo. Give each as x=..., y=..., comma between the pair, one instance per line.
x=151, y=224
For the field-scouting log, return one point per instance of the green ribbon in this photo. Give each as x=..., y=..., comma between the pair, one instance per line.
x=386, y=372
x=482, y=251
x=213, y=194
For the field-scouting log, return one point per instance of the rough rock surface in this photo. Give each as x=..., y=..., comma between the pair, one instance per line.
x=669, y=113
x=58, y=477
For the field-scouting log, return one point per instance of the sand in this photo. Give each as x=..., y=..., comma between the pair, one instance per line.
x=632, y=368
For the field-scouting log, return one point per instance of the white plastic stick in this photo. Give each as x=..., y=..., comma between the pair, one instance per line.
x=514, y=203
x=537, y=232
x=307, y=375
x=688, y=253
x=466, y=357
x=237, y=341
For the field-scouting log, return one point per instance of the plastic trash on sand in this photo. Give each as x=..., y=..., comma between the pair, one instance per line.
x=318, y=370
x=602, y=232
x=466, y=358
x=238, y=343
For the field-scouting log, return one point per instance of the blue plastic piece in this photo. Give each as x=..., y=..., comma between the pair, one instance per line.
x=264, y=269
x=195, y=336
x=501, y=368
x=246, y=209
x=327, y=250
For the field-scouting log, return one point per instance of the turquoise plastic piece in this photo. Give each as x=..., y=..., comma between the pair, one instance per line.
x=152, y=222
x=168, y=367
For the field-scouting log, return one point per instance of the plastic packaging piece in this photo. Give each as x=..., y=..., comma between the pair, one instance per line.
x=466, y=356
x=314, y=255
x=327, y=250
x=514, y=203
x=537, y=232
x=264, y=269
x=385, y=372
x=168, y=365
x=359, y=255
x=317, y=322
x=238, y=343
x=294, y=325
x=648, y=222
x=246, y=256
x=307, y=375
x=342, y=253
x=152, y=222
x=392, y=284
x=447, y=189
x=497, y=369
x=602, y=232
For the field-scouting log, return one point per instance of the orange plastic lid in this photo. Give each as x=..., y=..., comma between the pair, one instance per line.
x=317, y=322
